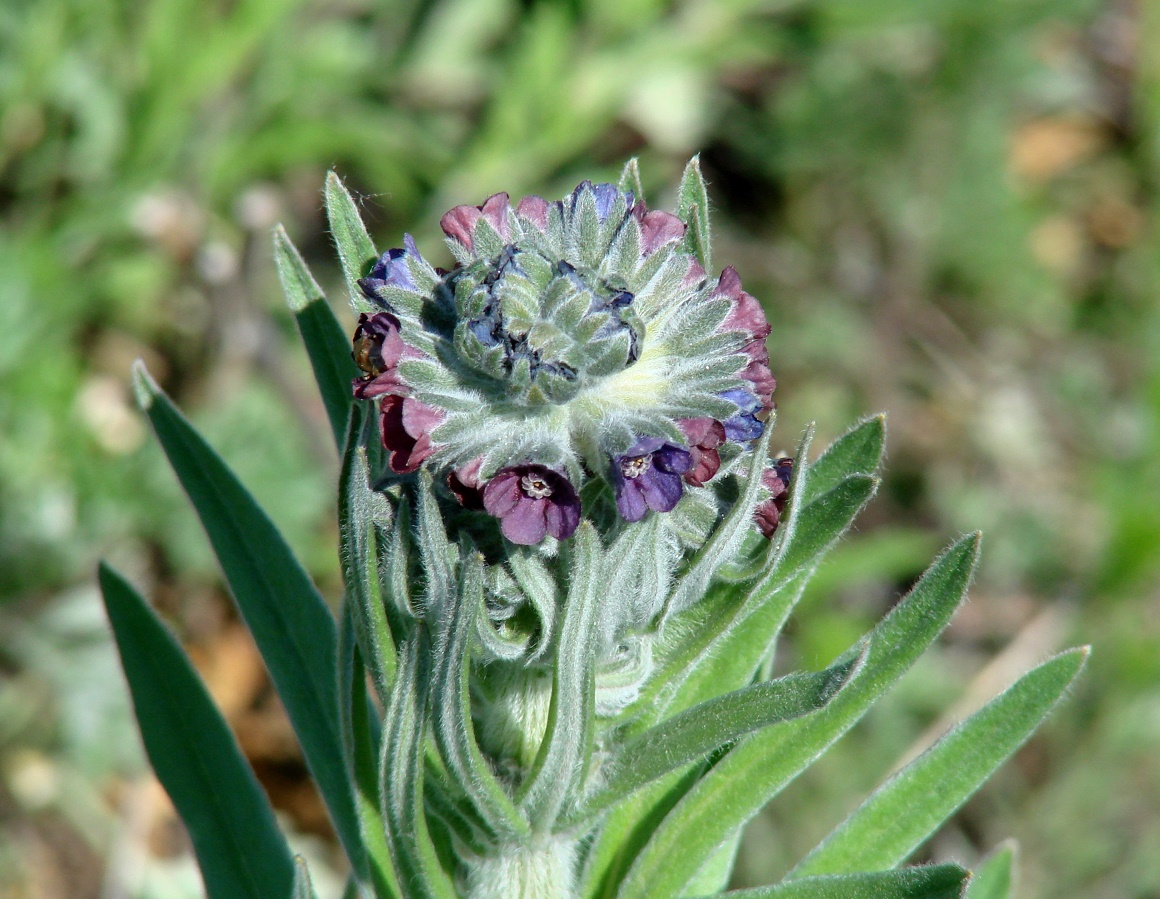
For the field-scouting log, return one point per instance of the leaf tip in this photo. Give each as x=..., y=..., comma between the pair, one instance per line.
x=145, y=389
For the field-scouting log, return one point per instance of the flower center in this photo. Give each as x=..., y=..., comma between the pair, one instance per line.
x=535, y=487
x=636, y=466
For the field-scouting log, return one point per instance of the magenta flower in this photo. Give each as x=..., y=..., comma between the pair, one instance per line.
x=406, y=426
x=746, y=315
x=648, y=476
x=776, y=479
x=532, y=501
x=704, y=436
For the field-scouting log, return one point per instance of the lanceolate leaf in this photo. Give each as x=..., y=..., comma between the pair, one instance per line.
x=994, y=877
x=327, y=345
x=291, y=624
x=451, y=701
x=695, y=733
x=239, y=848
x=359, y=507
x=858, y=451
x=630, y=180
x=926, y=882
x=757, y=769
x=356, y=250
x=360, y=732
x=905, y=810
x=693, y=207
x=401, y=773
x=568, y=738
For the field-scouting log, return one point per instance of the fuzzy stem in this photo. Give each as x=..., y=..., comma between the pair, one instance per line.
x=512, y=722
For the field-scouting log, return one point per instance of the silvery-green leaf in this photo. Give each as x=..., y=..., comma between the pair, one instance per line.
x=756, y=769
x=921, y=882
x=302, y=888
x=693, y=208
x=356, y=250
x=567, y=741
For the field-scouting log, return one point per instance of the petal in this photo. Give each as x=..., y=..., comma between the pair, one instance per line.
x=535, y=210
x=495, y=211
x=459, y=224
x=658, y=228
x=419, y=419
x=662, y=491
x=672, y=459
x=526, y=523
x=502, y=493
x=706, y=463
x=630, y=501
x=396, y=440
x=563, y=518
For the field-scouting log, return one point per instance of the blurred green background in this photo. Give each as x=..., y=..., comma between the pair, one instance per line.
x=947, y=207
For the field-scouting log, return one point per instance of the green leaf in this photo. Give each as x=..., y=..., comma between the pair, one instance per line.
x=401, y=774
x=356, y=250
x=761, y=765
x=858, y=451
x=693, y=209
x=327, y=345
x=290, y=623
x=923, y=882
x=359, y=510
x=451, y=698
x=361, y=741
x=993, y=877
x=630, y=180
x=239, y=848
x=907, y=809
x=695, y=733
x=568, y=739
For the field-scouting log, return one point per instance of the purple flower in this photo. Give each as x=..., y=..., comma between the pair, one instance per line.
x=392, y=270
x=776, y=478
x=377, y=351
x=531, y=501
x=657, y=228
x=648, y=476
x=704, y=436
x=745, y=425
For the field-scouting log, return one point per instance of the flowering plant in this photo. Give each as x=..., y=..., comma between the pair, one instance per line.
x=567, y=559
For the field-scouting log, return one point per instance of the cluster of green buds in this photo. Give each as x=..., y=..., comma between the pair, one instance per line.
x=577, y=348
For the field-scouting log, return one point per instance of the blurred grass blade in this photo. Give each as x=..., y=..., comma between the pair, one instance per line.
x=239, y=848
x=904, y=811
x=994, y=876
x=356, y=250
x=361, y=741
x=327, y=345
x=761, y=765
x=695, y=733
x=302, y=889
x=922, y=882
x=290, y=623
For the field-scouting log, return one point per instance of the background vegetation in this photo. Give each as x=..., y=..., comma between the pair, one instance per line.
x=947, y=207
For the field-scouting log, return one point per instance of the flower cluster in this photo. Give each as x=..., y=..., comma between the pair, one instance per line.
x=574, y=342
